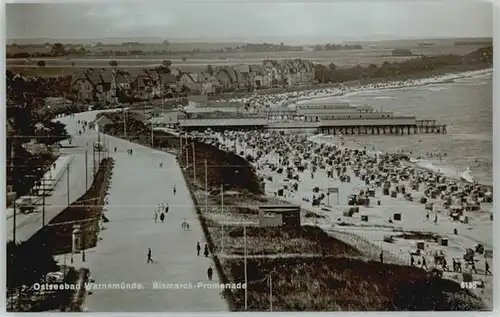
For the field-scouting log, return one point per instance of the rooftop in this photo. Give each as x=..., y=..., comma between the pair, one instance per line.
x=223, y=122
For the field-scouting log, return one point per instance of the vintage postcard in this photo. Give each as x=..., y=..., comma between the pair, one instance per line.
x=230, y=156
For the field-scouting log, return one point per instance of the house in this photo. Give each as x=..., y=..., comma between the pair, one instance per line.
x=246, y=76
x=168, y=81
x=306, y=71
x=82, y=87
x=170, y=118
x=193, y=81
x=57, y=102
x=123, y=80
x=101, y=122
x=108, y=84
x=153, y=82
x=94, y=85
x=224, y=78
x=230, y=78
x=176, y=72
x=291, y=74
x=240, y=81
x=280, y=215
x=272, y=73
x=257, y=76
x=287, y=72
x=143, y=85
x=211, y=85
x=167, y=84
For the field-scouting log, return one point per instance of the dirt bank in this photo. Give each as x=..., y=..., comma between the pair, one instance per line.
x=87, y=207
x=332, y=284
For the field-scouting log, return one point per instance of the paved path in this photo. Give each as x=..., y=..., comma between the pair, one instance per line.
x=138, y=185
x=28, y=224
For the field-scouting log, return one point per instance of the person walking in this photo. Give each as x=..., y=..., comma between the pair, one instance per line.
x=162, y=217
x=174, y=190
x=381, y=256
x=166, y=209
x=473, y=268
x=149, y=256
x=424, y=263
x=198, y=248
x=205, y=252
x=412, y=261
x=155, y=216
x=210, y=272
x=487, y=268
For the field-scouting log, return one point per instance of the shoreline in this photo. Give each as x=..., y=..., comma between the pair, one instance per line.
x=417, y=164
x=410, y=83
x=292, y=97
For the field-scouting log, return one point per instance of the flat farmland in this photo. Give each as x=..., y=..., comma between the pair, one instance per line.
x=198, y=62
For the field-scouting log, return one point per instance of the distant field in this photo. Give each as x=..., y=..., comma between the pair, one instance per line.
x=55, y=66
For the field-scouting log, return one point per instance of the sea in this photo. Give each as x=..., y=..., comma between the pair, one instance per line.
x=465, y=105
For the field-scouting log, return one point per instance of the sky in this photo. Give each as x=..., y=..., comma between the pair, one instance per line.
x=245, y=20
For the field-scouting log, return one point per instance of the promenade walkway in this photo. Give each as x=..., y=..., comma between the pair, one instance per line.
x=138, y=186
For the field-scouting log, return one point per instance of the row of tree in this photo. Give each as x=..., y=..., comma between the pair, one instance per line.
x=28, y=119
x=336, y=47
x=333, y=74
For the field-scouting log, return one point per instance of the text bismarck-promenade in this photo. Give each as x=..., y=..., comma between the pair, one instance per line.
x=135, y=286
x=198, y=285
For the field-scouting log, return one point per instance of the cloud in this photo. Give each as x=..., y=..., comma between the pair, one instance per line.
x=251, y=20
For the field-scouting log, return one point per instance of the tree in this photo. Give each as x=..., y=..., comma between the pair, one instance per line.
x=401, y=52
x=113, y=63
x=166, y=63
x=58, y=50
x=163, y=70
x=166, y=43
x=41, y=64
x=332, y=66
x=210, y=70
x=184, y=59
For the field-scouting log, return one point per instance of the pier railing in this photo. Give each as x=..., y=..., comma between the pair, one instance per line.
x=430, y=126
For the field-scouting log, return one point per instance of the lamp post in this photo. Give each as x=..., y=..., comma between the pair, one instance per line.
x=222, y=212
x=206, y=185
x=43, y=202
x=271, y=291
x=245, y=265
x=194, y=163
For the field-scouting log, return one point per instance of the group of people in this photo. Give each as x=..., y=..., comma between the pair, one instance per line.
x=206, y=252
x=205, y=249
x=210, y=271
x=160, y=212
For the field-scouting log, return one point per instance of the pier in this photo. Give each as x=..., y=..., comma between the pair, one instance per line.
x=430, y=126
x=394, y=126
x=323, y=118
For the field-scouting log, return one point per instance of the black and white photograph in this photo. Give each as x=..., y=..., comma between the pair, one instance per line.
x=249, y=156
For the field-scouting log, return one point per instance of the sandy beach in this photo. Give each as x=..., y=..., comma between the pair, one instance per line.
x=302, y=170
